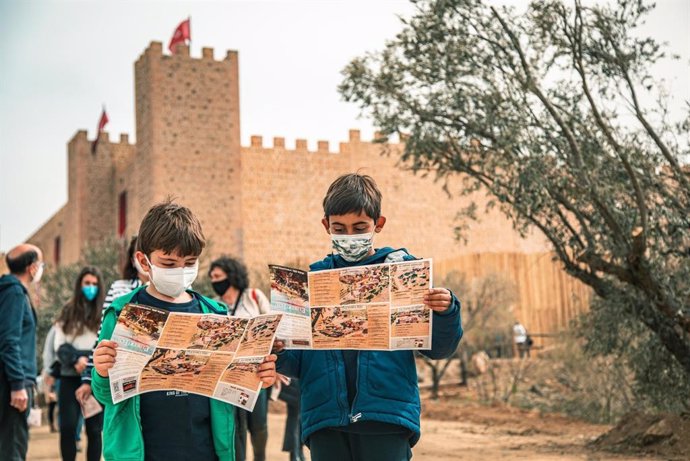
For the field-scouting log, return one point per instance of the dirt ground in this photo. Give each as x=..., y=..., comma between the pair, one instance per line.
x=451, y=431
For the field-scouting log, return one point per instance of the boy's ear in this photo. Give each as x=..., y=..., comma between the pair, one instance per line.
x=141, y=258
x=324, y=221
x=380, y=223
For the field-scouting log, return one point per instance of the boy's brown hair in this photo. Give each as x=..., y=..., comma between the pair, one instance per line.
x=171, y=228
x=352, y=193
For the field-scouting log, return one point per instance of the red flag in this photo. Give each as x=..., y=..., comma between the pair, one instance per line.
x=101, y=124
x=182, y=33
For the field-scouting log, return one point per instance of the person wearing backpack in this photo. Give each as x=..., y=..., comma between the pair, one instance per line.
x=231, y=283
x=74, y=333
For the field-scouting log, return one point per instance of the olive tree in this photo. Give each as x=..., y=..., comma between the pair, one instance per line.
x=555, y=114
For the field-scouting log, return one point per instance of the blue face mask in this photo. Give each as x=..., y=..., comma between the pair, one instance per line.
x=90, y=292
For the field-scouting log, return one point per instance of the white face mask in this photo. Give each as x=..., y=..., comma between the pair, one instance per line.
x=353, y=248
x=38, y=274
x=172, y=282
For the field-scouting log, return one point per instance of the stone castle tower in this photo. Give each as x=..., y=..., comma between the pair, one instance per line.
x=263, y=204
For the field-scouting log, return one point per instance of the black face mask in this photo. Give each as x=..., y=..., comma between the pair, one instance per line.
x=221, y=286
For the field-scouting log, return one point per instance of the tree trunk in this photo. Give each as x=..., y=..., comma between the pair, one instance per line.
x=667, y=333
x=435, y=381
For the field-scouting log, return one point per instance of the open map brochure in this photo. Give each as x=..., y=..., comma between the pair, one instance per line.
x=212, y=355
x=377, y=307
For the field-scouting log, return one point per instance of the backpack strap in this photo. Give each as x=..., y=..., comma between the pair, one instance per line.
x=211, y=305
x=254, y=297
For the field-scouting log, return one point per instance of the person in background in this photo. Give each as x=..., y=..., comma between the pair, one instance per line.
x=133, y=276
x=75, y=333
x=17, y=349
x=287, y=390
x=521, y=339
x=50, y=373
x=51, y=380
x=231, y=283
x=51, y=398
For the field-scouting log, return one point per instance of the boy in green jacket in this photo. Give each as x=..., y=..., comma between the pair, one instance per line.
x=166, y=425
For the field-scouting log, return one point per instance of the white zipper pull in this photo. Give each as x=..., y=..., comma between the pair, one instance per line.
x=354, y=418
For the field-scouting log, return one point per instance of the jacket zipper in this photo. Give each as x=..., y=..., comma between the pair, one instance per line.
x=355, y=418
x=343, y=408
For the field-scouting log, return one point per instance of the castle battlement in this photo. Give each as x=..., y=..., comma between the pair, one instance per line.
x=81, y=136
x=301, y=145
x=256, y=142
x=155, y=50
x=78, y=137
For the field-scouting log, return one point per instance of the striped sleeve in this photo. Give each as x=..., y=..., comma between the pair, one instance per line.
x=117, y=289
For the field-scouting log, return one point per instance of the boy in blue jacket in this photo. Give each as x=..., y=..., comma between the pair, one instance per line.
x=364, y=405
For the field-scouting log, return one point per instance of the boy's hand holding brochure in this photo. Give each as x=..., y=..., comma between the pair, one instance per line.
x=438, y=299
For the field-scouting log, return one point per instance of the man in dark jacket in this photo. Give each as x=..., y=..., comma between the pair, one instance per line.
x=17, y=349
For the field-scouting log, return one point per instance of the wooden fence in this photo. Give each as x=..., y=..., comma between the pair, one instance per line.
x=548, y=298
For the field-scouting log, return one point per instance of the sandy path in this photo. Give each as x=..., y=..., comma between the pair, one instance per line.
x=482, y=434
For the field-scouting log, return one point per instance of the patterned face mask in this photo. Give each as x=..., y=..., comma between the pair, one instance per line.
x=353, y=248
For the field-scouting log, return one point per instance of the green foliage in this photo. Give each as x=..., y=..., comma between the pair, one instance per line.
x=658, y=383
x=544, y=112
x=568, y=380
x=57, y=285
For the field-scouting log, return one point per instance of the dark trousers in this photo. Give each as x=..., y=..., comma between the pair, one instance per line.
x=14, y=431
x=256, y=423
x=52, y=406
x=335, y=445
x=523, y=349
x=69, y=411
x=292, y=440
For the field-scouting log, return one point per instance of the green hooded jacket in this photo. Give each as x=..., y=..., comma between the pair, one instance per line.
x=122, y=434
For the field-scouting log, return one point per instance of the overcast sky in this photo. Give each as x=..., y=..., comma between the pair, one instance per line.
x=60, y=60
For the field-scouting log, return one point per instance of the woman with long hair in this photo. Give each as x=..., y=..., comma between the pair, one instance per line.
x=75, y=333
x=132, y=278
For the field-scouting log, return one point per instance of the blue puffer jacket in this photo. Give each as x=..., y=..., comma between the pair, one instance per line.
x=386, y=380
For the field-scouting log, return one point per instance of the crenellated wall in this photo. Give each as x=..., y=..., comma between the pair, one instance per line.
x=283, y=190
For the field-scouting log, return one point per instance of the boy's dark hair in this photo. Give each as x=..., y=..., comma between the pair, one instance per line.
x=235, y=270
x=129, y=272
x=171, y=228
x=352, y=193
x=20, y=263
